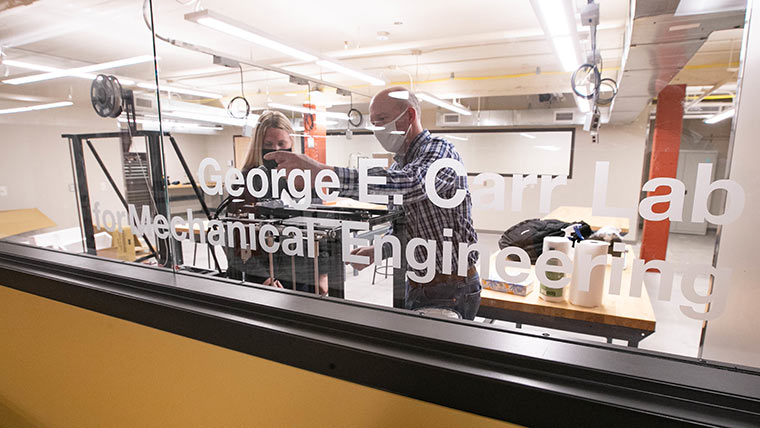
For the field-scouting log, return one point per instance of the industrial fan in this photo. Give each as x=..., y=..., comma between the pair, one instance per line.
x=109, y=99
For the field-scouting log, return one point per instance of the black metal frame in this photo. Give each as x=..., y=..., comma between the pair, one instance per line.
x=476, y=368
x=169, y=252
x=337, y=277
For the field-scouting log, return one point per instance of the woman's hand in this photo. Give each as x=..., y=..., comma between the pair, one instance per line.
x=363, y=251
x=290, y=161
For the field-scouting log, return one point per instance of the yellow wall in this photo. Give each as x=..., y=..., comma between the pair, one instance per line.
x=63, y=366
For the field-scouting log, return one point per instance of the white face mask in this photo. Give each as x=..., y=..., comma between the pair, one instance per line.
x=389, y=138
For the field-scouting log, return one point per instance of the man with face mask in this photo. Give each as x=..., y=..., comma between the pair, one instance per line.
x=397, y=125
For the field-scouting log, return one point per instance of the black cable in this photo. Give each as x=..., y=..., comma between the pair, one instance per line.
x=597, y=81
x=242, y=90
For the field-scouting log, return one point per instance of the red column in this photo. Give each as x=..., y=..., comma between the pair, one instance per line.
x=314, y=145
x=664, y=163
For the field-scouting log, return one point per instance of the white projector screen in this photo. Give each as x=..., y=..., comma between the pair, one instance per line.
x=503, y=152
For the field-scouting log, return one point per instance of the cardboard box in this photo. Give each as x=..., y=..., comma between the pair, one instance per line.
x=519, y=288
x=123, y=243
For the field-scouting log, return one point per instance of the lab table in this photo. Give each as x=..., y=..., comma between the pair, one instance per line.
x=619, y=317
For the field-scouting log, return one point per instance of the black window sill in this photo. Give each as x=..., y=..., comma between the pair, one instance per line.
x=509, y=376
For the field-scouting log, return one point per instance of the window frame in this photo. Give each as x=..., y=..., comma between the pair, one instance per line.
x=471, y=367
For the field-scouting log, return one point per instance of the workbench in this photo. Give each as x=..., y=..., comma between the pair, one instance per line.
x=619, y=317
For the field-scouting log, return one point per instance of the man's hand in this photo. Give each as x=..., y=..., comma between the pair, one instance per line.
x=275, y=283
x=363, y=251
x=290, y=161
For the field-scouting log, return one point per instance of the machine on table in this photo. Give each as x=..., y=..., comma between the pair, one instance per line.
x=327, y=222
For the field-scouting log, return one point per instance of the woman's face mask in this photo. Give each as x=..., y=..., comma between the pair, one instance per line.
x=270, y=164
x=391, y=139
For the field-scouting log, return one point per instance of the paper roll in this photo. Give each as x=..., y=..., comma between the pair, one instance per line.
x=556, y=243
x=587, y=283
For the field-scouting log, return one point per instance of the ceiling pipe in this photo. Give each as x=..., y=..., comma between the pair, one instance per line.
x=296, y=77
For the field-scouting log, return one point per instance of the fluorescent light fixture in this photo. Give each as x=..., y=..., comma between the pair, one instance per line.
x=568, y=56
x=306, y=110
x=154, y=123
x=432, y=99
x=79, y=70
x=454, y=137
x=164, y=88
x=334, y=66
x=290, y=94
x=243, y=31
x=554, y=15
x=583, y=104
x=526, y=135
x=224, y=120
x=374, y=128
x=721, y=116
x=549, y=148
x=557, y=19
x=179, y=127
x=37, y=67
x=324, y=121
x=36, y=107
x=30, y=66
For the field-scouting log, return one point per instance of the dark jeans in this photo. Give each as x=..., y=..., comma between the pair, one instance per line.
x=460, y=294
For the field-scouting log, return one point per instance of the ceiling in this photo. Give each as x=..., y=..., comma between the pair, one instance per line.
x=491, y=52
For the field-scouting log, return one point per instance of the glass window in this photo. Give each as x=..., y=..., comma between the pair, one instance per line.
x=555, y=168
x=75, y=152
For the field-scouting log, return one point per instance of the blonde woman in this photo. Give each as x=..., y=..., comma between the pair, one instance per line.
x=273, y=133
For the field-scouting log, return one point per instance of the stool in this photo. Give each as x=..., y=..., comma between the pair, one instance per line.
x=383, y=269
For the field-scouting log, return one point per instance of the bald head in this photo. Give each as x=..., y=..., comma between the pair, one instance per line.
x=389, y=103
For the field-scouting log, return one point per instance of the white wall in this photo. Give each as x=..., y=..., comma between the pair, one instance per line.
x=338, y=149
x=194, y=149
x=622, y=146
x=734, y=337
x=35, y=165
x=220, y=147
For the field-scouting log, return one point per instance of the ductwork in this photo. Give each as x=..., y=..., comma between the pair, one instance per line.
x=658, y=45
x=511, y=118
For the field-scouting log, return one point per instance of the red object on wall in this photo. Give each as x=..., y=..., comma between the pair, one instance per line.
x=664, y=163
x=314, y=144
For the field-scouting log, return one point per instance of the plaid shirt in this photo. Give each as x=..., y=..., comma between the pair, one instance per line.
x=424, y=219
